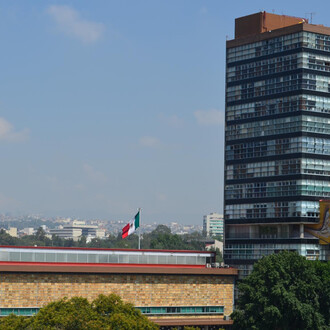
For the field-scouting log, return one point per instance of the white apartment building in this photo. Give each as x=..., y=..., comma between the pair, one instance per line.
x=213, y=224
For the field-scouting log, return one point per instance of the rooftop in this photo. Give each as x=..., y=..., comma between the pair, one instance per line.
x=263, y=25
x=263, y=22
x=85, y=260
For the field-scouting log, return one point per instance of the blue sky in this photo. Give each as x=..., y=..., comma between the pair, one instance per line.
x=107, y=106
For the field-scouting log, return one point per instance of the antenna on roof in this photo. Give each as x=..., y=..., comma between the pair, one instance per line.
x=311, y=16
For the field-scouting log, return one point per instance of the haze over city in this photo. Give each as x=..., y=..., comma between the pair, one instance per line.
x=108, y=106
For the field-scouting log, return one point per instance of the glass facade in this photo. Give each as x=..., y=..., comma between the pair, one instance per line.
x=278, y=189
x=280, y=146
x=104, y=256
x=278, y=167
x=279, y=106
x=284, y=125
x=21, y=311
x=182, y=310
x=277, y=144
x=278, y=45
x=284, y=209
x=257, y=251
x=159, y=310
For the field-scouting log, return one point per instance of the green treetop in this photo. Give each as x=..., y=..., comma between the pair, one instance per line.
x=105, y=312
x=284, y=291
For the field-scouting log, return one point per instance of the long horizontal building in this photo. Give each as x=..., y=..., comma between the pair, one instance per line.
x=173, y=288
x=76, y=229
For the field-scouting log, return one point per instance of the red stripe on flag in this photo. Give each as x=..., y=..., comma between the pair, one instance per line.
x=125, y=231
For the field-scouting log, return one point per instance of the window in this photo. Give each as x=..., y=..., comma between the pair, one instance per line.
x=182, y=310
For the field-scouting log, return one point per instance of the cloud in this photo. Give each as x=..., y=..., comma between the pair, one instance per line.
x=94, y=175
x=68, y=21
x=211, y=117
x=8, y=133
x=173, y=120
x=149, y=141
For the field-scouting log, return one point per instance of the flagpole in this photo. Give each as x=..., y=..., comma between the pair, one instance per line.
x=140, y=229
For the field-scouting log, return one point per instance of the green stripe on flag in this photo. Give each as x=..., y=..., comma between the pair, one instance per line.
x=137, y=220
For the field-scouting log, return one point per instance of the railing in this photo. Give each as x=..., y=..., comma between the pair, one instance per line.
x=262, y=236
x=12, y=254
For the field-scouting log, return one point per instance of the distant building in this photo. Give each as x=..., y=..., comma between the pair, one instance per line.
x=77, y=229
x=214, y=244
x=213, y=224
x=27, y=231
x=12, y=231
x=67, y=220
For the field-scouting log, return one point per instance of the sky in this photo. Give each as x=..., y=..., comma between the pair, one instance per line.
x=107, y=106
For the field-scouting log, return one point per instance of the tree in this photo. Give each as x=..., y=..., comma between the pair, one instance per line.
x=40, y=234
x=70, y=243
x=6, y=239
x=218, y=237
x=105, y=312
x=75, y=313
x=82, y=241
x=57, y=241
x=168, y=242
x=162, y=238
x=13, y=322
x=323, y=272
x=120, y=315
x=284, y=291
x=162, y=229
x=218, y=254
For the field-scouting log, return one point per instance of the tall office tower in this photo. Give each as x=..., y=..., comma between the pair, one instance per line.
x=277, y=145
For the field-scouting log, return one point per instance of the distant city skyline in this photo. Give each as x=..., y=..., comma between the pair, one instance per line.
x=111, y=106
x=25, y=224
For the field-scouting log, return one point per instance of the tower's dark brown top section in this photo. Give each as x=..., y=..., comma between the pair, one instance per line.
x=263, y=22
x=320, y=29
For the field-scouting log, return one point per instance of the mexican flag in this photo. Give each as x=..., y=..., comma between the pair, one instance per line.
x=131, y=226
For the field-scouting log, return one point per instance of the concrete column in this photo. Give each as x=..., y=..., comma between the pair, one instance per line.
x=301, y=230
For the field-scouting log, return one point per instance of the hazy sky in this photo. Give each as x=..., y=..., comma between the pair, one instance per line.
x=107, y=106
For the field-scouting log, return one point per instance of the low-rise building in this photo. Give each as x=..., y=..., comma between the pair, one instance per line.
x=214, y=244
x=12, y=231
x=173, y=288
x=76, y=229
x=27, y=231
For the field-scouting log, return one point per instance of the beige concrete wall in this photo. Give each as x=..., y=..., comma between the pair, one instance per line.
x=36, y=290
